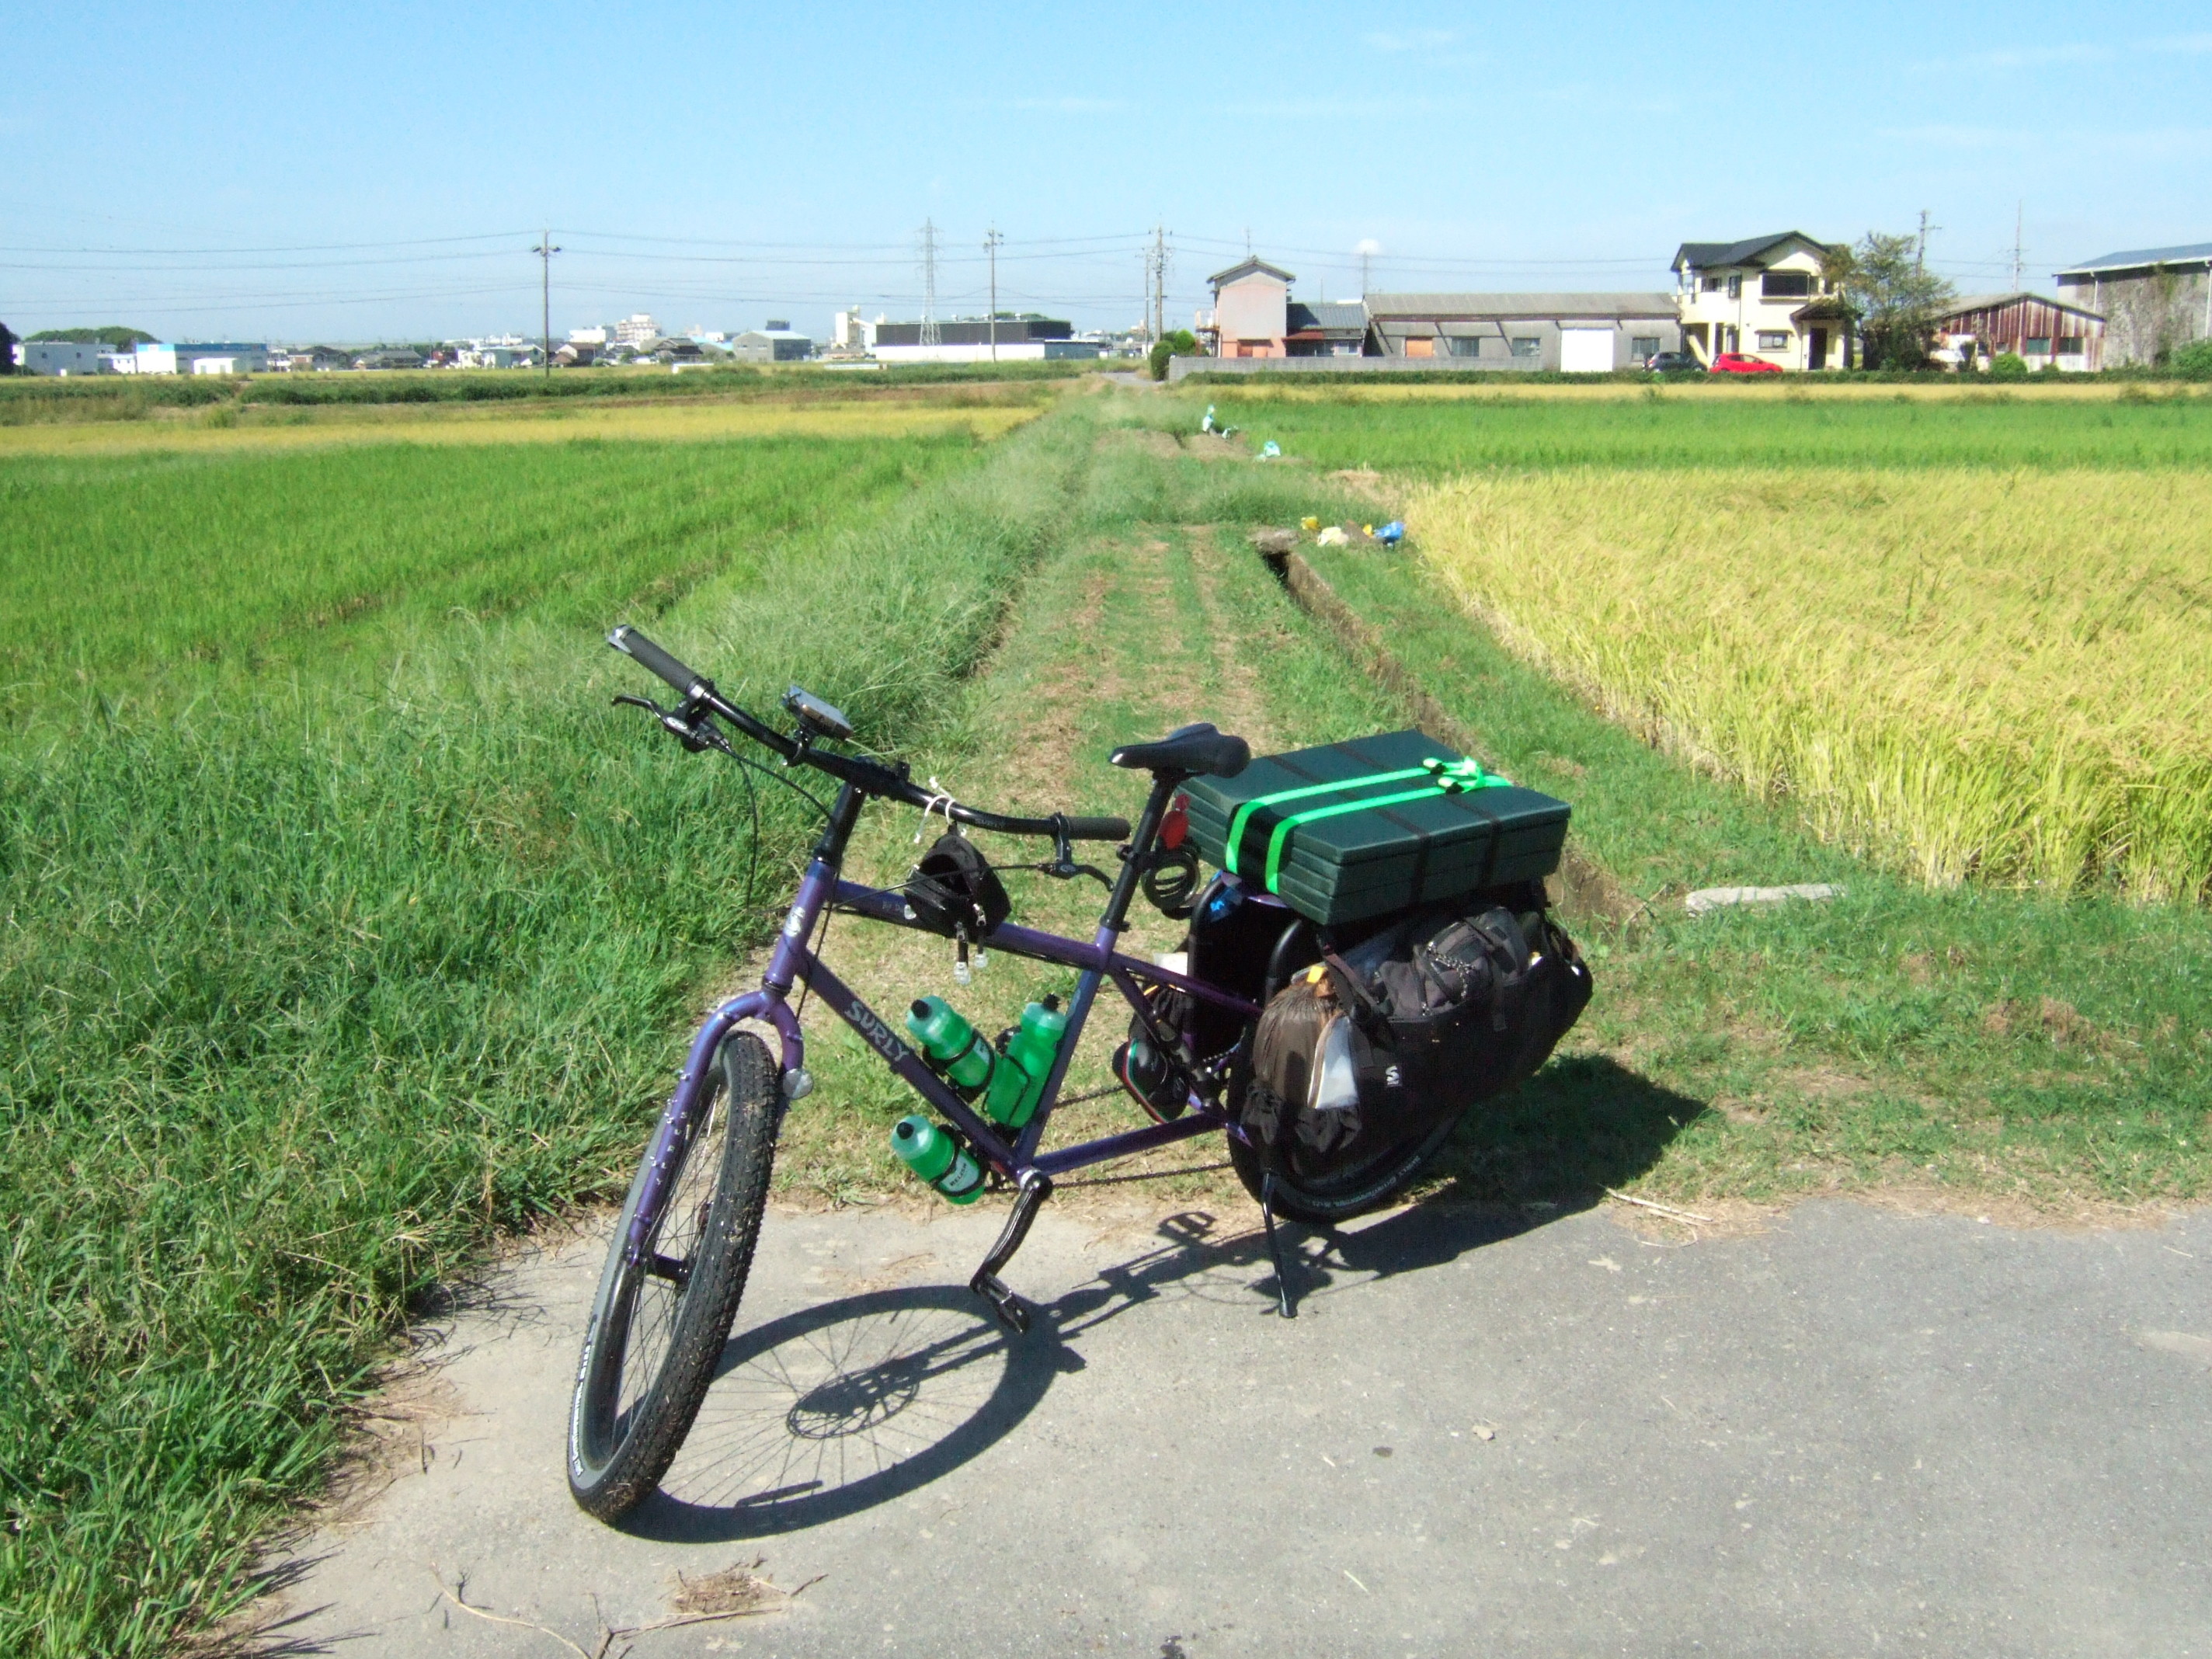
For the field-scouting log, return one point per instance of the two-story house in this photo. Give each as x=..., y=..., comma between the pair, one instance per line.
x=1764, y=298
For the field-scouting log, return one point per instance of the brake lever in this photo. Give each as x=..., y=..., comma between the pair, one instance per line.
x=692, y=732
x=1068, y=870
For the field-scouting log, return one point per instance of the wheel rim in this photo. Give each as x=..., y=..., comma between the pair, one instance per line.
x=640, y=1326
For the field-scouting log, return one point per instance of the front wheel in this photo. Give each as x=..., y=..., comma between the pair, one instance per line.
x=663, y=1312
x=1324, y=1201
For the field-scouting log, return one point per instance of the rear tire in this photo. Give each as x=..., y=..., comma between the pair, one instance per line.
x=657, y=1332
x=1367, y=1185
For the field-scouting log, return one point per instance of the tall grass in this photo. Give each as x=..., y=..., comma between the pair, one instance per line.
x=302, y=991
x=1974, y=672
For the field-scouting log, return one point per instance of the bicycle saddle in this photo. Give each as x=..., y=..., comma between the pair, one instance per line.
x=1197, y=751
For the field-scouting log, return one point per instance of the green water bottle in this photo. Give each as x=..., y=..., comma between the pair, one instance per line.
x=938, y=1159
x=1031, y=1046
x=950, y=1044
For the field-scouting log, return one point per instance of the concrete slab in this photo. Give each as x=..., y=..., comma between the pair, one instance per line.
x=1859, y=1432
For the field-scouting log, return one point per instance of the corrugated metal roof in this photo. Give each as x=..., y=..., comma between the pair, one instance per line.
x=1473, y=305
x=2189, y=254
x=1965, y=303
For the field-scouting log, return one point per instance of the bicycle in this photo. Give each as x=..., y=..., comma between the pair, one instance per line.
x=683, y=1244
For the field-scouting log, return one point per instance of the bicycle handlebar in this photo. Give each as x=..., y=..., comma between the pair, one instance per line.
x=873, y=777
x=631, y=643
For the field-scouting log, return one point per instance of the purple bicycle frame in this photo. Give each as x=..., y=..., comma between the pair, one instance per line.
x=794, y=963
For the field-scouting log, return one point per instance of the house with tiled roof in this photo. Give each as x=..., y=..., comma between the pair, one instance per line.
x=1763, y=297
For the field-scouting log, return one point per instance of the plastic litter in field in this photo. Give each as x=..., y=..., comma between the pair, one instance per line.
x=1391, y=533
x=1270, y=451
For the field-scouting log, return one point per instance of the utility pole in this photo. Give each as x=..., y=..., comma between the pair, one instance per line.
x=1920, y=258
x=1159, y=274
x=2019, y=252
x=545, y=251
x=991, y=241
x=929, y=334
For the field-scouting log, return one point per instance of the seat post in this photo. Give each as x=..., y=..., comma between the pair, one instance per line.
x=1164, y=784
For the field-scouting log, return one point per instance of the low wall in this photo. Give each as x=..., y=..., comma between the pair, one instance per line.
x=1179, y=367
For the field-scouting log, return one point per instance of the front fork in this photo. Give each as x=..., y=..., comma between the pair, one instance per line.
x=771, y=1002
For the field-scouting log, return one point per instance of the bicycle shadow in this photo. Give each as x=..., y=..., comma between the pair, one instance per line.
x=838, y=1408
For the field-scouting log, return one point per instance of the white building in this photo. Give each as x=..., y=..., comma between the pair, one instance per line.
x=166, y=359
x=589, y=337
x=1766, y=298
x=636, y=330
x=59, y=356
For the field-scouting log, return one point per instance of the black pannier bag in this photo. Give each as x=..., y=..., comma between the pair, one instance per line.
x=1380, y=1044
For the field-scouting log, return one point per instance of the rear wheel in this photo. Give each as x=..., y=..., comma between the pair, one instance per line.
x=661, y=1318
x=1324, y=1201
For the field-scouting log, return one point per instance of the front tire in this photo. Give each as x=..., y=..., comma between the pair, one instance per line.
x=659, y=1324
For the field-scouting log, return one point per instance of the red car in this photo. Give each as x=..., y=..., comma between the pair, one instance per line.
x=1735, y=362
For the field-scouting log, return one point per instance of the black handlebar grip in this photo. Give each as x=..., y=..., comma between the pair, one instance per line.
x=628, y=641
x=1097, y=828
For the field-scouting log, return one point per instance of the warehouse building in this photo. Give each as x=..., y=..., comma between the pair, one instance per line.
x=1568, y=333
x=970, y=340
x=2047, y=334
x=2153, y=299
x=779, y=343
x=59, y=356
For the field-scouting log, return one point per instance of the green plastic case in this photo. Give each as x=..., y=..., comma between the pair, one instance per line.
x=1375, y=825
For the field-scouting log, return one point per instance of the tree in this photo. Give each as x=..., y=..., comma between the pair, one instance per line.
x=1178, y=342
x=1893, y=301
x=115, y=337
x=7, y=350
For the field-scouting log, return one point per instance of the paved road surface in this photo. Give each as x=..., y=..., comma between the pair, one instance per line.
x=1858, y=1432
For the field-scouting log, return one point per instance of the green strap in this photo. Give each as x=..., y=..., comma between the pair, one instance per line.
x=1243, y=814
x=1451, y=776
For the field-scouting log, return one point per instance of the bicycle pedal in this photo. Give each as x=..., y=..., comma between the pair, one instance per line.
x=1012, y=1311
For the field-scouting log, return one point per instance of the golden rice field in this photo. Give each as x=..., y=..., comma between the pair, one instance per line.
x=1996, y=674
x=262, y=430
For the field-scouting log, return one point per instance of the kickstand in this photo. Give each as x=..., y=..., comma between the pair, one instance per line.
x=1036, y=1188
x=1275, y=1245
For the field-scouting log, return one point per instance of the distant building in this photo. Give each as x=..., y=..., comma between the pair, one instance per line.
x=1570, y=333
x=1763, y=297
x=776, y=344
x=2152, y=299
x=589, y=336
x=637, y=328
x=2047, y=333
x=165, y=358
x=1251, y=310
x=59, y=356
x=969, y=340
x=303, y=359
x=1324, y=328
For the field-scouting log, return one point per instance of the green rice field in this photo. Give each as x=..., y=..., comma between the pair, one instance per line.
x=342, y=921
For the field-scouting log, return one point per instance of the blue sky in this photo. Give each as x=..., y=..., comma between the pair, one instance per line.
x=285, y=172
